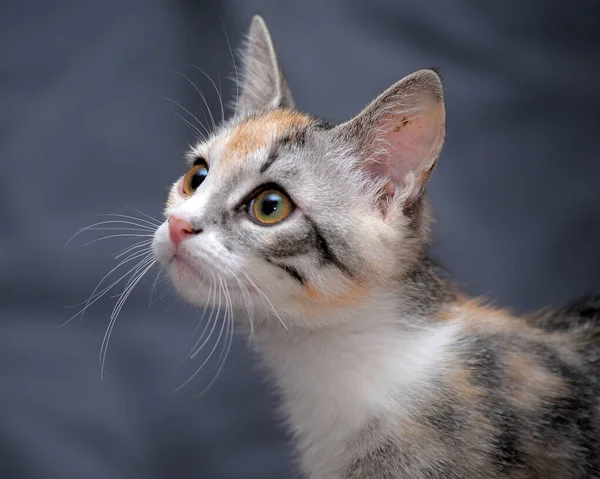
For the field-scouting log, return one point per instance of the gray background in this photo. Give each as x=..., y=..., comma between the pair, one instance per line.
x=84, y=129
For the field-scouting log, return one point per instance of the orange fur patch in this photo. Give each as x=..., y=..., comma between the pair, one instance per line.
x=257, y=132
x=477, y=314
x=315, y=302
x=312, y=292
x=460, y=380
x=530, y=381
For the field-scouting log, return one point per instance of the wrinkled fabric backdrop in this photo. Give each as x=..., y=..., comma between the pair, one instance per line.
x=85, y=129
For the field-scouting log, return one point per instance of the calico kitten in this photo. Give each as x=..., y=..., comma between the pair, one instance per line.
x=386, y=369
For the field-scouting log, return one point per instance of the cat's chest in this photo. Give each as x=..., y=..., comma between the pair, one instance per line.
x=335, y=384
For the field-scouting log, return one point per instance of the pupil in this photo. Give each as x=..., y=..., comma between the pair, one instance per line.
x=270, y=204
x=198, y=178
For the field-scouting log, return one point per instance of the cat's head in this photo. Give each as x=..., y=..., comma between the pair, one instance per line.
x=292, y=214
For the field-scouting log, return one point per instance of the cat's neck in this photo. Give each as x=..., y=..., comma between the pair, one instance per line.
x=335, y=381
x=408, y=304
x=416, y=296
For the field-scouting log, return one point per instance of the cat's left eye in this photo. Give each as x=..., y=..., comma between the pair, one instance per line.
x=270, y=207
x=194, y=177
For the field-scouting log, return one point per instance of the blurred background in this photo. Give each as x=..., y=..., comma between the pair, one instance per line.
x=85, y=129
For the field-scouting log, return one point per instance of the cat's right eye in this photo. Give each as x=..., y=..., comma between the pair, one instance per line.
x=194, y=177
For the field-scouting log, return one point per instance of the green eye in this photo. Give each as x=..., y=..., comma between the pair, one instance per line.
x=269, y=207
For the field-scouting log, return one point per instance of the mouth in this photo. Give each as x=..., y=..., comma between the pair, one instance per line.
x=182, y=267
x=187, y=273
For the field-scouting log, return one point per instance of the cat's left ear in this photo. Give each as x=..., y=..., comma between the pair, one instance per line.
x=263, y=86
x=399, y=136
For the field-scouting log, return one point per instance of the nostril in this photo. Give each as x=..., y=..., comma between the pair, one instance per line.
x=187, y=229
x=191, y=231
x=179, y=229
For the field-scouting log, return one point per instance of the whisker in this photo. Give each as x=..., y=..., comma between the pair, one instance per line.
x=132, y=271
x=152, y=218
x=123, y=235
x=154, y=286
x=154, y=224
x=125, y=229
x=164, y=294
x=94, y=294
x=228, y=314
x=103, y=223
x=117, y=309
x=189, y=113
x=246, y=298
x=266, y=298
x=212, y=291
x=129, y=249
x=221, y=98
x=201, y=96
x=212, y=351
x=215, y=87
x=247, y=304
x=149, y=259
x=196, y=350
x=160, y=296
x=97, y=296
x=210, y=354
x=122, y=228
x=132, y=228
x=113, y=222
x=229, y=332
x=189, y=124
x=237, y=78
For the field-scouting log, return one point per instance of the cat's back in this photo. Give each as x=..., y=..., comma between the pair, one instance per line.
x=526, y=391
x=579, y=324
x=520, y=398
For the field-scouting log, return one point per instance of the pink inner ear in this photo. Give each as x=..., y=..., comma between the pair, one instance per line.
x=411, y=142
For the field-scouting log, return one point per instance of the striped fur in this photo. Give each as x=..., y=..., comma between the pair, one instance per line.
x=385, y=368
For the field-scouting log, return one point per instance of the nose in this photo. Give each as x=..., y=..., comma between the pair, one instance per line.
x=180, y=229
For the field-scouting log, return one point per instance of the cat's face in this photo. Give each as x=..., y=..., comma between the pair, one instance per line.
x=275, y=207
x=292, y=215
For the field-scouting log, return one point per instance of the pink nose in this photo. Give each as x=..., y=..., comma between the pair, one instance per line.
x=180, y=229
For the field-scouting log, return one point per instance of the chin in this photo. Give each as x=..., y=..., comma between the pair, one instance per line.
x=190, y=285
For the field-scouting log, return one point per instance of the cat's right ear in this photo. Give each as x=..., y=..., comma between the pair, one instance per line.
x=263, y=86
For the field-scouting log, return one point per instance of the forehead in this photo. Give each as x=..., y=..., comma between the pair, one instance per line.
x=259, y=132
x=237, y=144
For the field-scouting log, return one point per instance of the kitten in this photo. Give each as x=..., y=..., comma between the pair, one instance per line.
x=386, y=369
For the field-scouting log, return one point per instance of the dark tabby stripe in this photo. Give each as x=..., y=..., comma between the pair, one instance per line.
x=327, y=256
x=323, y=125
x=296, y=137
x=273, y=155
x=293, y=272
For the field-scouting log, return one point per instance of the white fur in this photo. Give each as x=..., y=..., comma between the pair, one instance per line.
x=335, y=381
